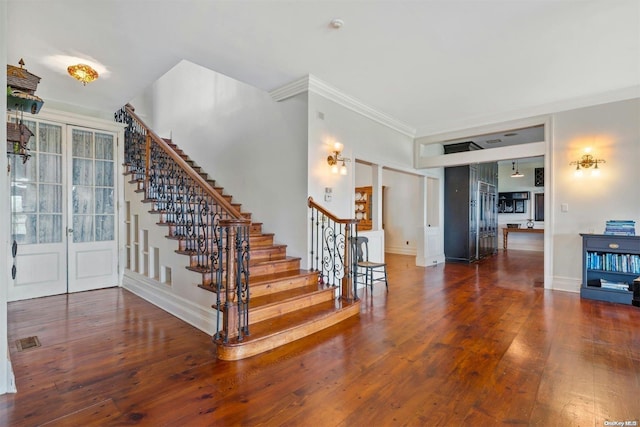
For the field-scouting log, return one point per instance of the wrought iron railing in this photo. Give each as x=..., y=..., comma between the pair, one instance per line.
x=332, y=254
x=215, y=233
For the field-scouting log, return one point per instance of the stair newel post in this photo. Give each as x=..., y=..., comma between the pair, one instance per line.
x=348, y=292
x=234, y=304
x=242, y=277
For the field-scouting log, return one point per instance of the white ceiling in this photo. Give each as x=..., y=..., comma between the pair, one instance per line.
x=433, y=65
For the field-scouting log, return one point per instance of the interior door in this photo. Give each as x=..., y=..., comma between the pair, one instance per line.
x=38, y=216
x=92, y=244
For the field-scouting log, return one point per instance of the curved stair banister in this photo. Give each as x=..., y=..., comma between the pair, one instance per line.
x=213, y=231
x=331, y=254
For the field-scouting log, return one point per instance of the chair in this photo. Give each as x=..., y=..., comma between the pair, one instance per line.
x=371, y=271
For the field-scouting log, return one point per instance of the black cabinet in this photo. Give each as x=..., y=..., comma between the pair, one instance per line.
x=470, y=224
x=609, y=266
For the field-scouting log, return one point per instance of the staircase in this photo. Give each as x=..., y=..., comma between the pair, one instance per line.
x=265, y=299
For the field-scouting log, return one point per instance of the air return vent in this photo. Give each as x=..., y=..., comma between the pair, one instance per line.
x=459, y=147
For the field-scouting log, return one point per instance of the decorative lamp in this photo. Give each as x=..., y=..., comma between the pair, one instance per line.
x=83, y=73
x=585, y=162
x=335, y=158
x=516, y=173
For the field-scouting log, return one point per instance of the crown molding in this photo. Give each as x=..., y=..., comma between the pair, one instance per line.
x=560, y=106
x=310, y=83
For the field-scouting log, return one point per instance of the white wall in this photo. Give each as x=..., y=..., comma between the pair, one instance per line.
x=251, y=145
x=613, y=132
x=363, y=139
x=404, y=214
x=6, y=376
x=521, y=241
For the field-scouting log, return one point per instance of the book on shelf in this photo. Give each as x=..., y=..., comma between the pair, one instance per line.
x=617, y=227
x=620, y=286
x=616, y=263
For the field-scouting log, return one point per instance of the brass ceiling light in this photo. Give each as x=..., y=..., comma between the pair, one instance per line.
x=83, y=73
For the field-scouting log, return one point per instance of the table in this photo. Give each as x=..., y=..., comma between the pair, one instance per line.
x=507, y=230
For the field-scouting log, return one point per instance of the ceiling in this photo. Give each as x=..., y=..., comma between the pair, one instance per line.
x=435, y=66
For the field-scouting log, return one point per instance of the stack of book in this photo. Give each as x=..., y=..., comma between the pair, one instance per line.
x=620, y=228
x=620, y=286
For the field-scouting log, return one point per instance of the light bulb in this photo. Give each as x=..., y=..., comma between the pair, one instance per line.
x=343, y=169
x=334, y=168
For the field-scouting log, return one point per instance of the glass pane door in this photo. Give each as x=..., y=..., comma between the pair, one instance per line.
x=93, y=254
x=93, y=186
x=37, y=215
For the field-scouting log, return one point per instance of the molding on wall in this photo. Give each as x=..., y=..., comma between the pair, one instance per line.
x=430, y=261
x=157, y=294
x=400, y=250
x=566, y=284
x=615, y=95
x=310, y=83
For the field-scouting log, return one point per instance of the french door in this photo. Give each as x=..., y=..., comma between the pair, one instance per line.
x=63, y=202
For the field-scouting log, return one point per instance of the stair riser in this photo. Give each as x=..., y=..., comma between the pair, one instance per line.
x=262, y=269
x=260, y=289
x=255, y=242
x=275, y=267
x=260, y=241
x=261, y=254
x=263, y=313
x=267, y=254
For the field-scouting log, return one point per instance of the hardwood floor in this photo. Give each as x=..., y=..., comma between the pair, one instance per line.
x=469, y=345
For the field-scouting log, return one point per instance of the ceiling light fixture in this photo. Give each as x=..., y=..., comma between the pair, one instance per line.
x=337, y=23
x=516, y=173
x=83, y=73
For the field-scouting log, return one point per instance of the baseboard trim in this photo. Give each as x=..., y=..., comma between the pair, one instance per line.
x=429, y=261
x=566, y=284
x=148, y=289
x=399, y=250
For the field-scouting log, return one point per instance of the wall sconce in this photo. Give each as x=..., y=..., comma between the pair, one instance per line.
x=335, y=158
x=585, y=162
x=516, y=173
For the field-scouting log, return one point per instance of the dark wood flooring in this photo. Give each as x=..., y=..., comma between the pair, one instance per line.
x=452, y=345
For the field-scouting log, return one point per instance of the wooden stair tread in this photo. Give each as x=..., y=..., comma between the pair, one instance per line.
x=278, y=331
